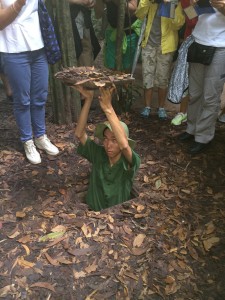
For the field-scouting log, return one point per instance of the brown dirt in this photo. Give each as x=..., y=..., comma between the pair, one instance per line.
x=167, y=243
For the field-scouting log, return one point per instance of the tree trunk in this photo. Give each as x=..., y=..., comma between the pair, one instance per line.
x=120, y=34
x=65, y=101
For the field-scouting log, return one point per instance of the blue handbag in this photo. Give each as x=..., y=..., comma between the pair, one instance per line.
x=51, y=44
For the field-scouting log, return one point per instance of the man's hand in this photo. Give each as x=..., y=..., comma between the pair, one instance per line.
x=87, y=94
x=105, y=98
x=218, y=4
x=18, y=5
x=193, y=2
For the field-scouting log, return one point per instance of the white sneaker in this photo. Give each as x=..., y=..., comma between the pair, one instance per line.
x=43, y=143
x=31, y=152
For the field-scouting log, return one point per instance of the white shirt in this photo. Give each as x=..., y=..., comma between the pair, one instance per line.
x=210, y=30
x=24, y=33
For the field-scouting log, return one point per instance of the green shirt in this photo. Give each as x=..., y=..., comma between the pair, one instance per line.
x=109, y=185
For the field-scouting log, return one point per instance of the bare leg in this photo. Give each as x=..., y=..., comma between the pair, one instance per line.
x=148, y=96
x=6, y=85
x=161, y=101
x=147, y=99
x=162, y=96
x=184, y=104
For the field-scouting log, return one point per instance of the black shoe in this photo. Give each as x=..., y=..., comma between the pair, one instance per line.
x=184, y=136
x=10, y=98
x=198, y=147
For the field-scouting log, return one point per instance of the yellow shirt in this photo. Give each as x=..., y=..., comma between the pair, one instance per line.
x=169, y=27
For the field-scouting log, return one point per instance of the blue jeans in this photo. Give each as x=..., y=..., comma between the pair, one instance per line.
x=27, y=73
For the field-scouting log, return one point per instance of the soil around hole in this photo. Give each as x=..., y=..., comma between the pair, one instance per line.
x=167, y=243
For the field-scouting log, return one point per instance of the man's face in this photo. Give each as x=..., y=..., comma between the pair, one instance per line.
x=110, y=144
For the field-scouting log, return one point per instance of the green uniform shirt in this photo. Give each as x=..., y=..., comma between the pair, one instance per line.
x=108, y=185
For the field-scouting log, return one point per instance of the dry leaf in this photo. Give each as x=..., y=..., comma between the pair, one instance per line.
x=44, y=285
x=78, y=275
x=131, y=275
x=158, y=184
x=139, y=240
x=111, y=220
x=49, y=213
x=209, y=243
x=8, y=289
x=60, y=172
x=59, y=228
x=26, y=249
x=51, y=260
x=127, y=229
x=171, y=288
x=192, y=252
x=34, y=173
x=20, y=214
x=25, y=239
x=210, y=228
x=146, y=179
x=14, y=234
x=188, y=192
x=91, y=268
x=86, y=230
x=24, y=263
x=169, y=279
x=51, y=236
x=64, y=261
x=140, y=208
x=62, y=191
x=182, y=234
x=138, y=251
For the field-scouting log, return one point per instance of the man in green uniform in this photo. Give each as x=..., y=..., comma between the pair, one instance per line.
x=114, y=164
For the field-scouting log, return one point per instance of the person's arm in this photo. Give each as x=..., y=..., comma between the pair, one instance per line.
x=80, y=132
x=132, y=4
x=99, y=9
x=120, y=135
x=9, y=14
x=219, y=4
x=85, y=3
x=179, y=18
x=143, y=9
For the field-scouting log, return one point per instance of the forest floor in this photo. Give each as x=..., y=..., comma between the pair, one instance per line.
x=168, y=242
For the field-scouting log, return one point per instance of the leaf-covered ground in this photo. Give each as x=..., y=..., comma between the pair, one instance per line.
x=167, y=243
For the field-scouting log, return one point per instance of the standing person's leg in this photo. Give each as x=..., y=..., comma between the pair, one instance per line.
x=38, y=92
x=196, y=82
x=5, y=82
x=148, y=73
x=38, y=95
x=184, y=105
x=221, y=117
x=212, y=89
x=6, y=86
x=18, y=71
x=86, y=58
x=181, y=116
x=196, y=86
x=163, y=70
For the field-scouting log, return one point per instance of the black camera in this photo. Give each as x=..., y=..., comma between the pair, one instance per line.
x=203, y=3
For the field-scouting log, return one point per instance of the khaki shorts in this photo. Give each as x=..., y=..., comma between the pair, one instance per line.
x=156, y=67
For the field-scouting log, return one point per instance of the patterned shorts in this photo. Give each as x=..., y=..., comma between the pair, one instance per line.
x=156, y=67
